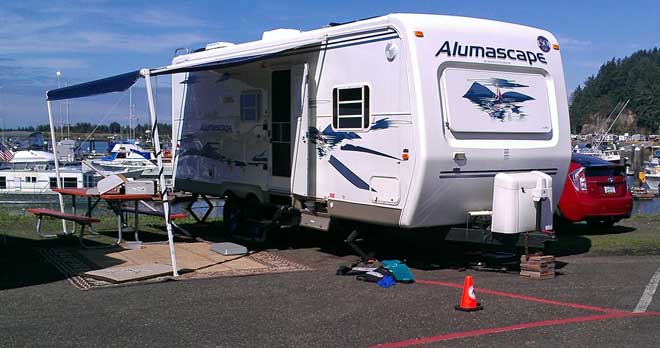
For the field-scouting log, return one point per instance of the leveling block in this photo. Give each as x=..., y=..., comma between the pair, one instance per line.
x=537, y=267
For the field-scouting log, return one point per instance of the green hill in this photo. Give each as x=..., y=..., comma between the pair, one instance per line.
x=636, y=78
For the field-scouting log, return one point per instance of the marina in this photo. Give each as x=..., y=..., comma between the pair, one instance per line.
x=400, y=174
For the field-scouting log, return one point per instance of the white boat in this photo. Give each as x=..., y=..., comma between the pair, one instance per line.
x=129, y=160
x=126, y=157
x=31, y=171
x=652, y=171
x=29, y=157
x=612, y=156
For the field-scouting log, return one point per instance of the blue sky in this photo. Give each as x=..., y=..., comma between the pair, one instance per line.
x=91, y=39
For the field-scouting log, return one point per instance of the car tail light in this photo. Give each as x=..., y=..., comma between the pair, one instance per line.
x=579, y=179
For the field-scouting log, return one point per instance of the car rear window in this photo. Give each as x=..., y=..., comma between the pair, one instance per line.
x=604, y=171
x=589, y=161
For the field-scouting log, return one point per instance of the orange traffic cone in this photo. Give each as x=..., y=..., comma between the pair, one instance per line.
x=468, y=300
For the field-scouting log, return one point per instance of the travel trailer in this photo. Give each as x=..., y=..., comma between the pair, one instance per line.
x=401, y=120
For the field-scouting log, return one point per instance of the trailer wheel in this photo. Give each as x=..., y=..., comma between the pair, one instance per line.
x=233, y=214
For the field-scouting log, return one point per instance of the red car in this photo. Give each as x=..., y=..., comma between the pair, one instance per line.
x=596, y=192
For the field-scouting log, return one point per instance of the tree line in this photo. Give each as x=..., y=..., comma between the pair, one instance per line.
x=636, y=77
x=86, y=128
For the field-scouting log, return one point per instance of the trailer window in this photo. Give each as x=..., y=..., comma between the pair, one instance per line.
x=3, y=182
x=503, y=101
x=350, y=108
x=250, y=105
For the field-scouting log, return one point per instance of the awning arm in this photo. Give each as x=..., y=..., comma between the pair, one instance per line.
x=161, y=173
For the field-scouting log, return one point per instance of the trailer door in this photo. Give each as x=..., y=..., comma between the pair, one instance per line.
x=280, y=127
x=300, y=179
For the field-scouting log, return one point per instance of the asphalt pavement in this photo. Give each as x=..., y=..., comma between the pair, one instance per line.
x=588, y=304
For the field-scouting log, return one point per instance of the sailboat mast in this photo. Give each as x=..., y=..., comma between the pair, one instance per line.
x=130, y=113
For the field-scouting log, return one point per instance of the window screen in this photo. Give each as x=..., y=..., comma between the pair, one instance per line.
x=350, y=108
x=250, y=105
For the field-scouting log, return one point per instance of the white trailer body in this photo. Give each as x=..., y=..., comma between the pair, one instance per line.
x=398, y=120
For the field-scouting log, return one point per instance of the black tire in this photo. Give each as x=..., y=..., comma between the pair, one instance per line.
x=561, y=224
x=604, y=223
x=233, y=214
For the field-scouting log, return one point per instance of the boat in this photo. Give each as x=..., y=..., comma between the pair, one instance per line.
x=610, y=155
x=652, y=170
x=33, y=171
x=128, y=159
x=607, y=154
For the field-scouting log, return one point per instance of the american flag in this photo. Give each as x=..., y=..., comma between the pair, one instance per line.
x=5, y=154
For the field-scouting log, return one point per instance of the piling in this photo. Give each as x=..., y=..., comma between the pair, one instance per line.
x=638, y=163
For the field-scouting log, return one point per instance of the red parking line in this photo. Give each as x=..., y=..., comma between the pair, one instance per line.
x=524, y=297
x=480, y=332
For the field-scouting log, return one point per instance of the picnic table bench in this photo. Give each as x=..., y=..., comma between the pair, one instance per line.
x=80, y=220
x=135, y=210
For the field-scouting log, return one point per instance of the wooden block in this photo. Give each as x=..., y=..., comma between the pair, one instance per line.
x=537, y=268
x=546, y=258
x=537, y=275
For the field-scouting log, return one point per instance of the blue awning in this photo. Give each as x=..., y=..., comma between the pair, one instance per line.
x=238, y=58
x=117, y=83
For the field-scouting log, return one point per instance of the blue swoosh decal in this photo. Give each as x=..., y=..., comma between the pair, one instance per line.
x=348, y=174
x=349, y=147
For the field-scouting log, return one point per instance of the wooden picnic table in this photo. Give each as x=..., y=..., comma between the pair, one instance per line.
x=114, y=200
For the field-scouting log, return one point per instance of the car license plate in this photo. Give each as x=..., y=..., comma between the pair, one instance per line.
x=610, y=189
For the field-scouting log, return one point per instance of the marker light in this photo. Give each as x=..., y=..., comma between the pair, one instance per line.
x=405, y=156
x=555, y=46
x=419, y=33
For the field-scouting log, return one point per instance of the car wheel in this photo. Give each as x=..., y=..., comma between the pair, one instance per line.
x=560, y=223
x=601, y=223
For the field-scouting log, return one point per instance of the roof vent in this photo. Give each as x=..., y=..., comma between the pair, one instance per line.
x=278, y=34
x=220, y=44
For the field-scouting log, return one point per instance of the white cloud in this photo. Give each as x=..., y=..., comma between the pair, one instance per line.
x=95, y=27
x=570, y=43
x=13, y=24
x=97, y=41
x=165, y=19
x=52, y=63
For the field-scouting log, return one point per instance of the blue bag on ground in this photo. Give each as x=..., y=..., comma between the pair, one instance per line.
x=386, y=282
x=400, y=271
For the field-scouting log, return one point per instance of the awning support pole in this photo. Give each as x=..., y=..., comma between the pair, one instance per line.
x=58, y=178
x=161, y=175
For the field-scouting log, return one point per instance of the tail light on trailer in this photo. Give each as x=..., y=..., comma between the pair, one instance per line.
x=579, y=179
